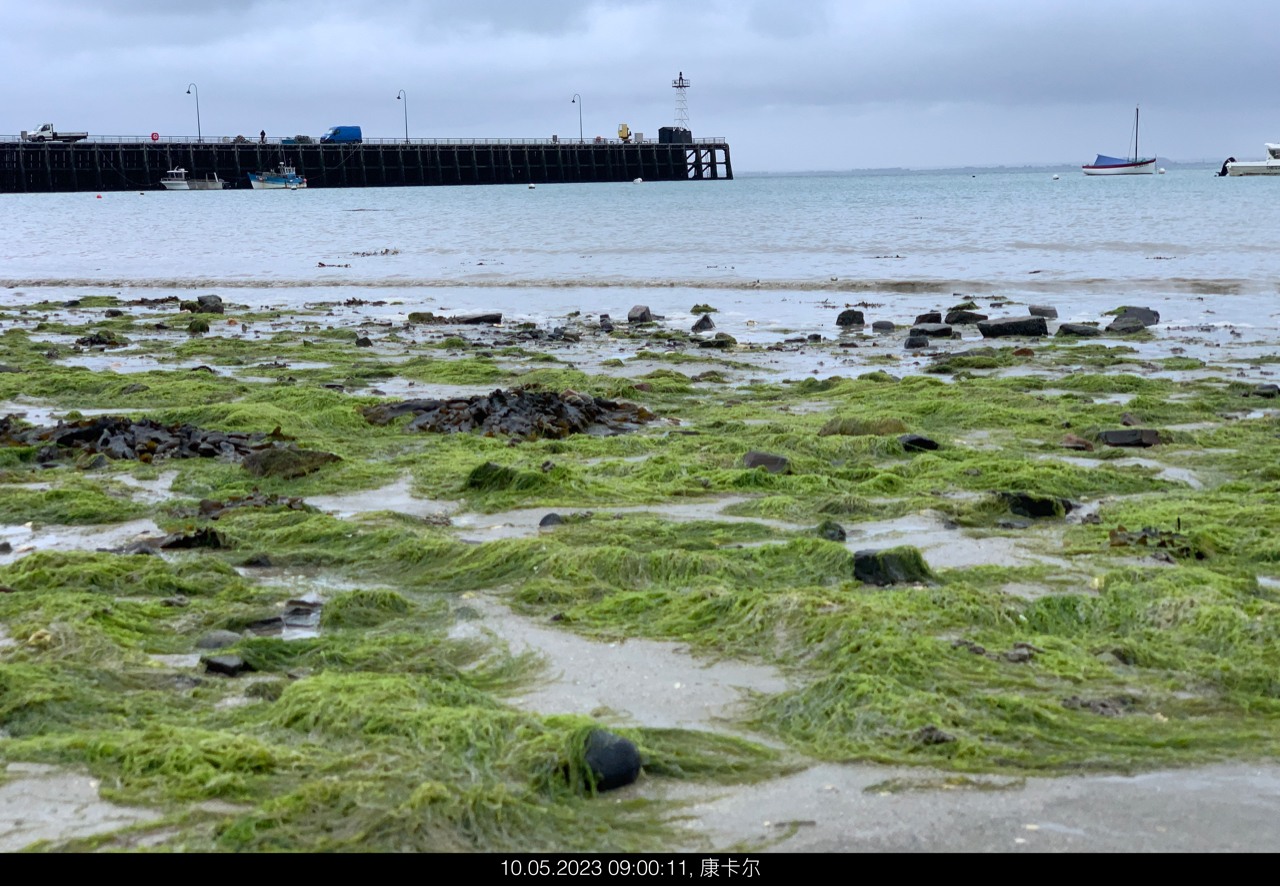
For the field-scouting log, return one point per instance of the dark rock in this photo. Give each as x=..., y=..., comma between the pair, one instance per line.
x=929, y=317
x=832, y=531
x=424, y=317
x=201, y=538
x=270, y=625
x=113, y=312
x=1034, y=505
x=1044, y=311
x=932, y=736
x=102, y=339
x=614, y=761
x=606, y=325
x=704, y=324
x=1131, y=437
x=772, y=464
x=218, y=640
x=210, y=304
x=1072, y=442
x=932, y=330
x=964, y=318
x=551, y=520
x=521, y=413
x=915, y=343
x=1081, y=330
x=364, y=342
x=720, y=340
x=851, y=318
x=231, y=666
x=6, y=548
x=1013, y=326
x=1146, y=316
x=640, y=314
x=493, y=318
x=884, y=326
x=813, y=338
x=1126, y=326
x=895, y=566
x=915, y=443
x=1270, y=392
x=287, y=462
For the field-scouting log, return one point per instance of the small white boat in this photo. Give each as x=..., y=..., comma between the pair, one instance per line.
x=176, y=180
x=1123, y=166
x=1268, y=167
x=284, y=176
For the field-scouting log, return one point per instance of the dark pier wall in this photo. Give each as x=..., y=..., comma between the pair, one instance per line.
x=139, y=165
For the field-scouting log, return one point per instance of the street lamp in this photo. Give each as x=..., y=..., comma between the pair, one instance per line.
x=577, y=100
x=403, y=95
x=199, y=134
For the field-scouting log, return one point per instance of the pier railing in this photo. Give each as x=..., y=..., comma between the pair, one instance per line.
x=291, y=140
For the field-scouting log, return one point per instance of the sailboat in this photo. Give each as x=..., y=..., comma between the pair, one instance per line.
x=1128, y=166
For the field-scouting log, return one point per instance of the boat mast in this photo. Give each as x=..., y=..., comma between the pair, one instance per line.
x=1136, y=108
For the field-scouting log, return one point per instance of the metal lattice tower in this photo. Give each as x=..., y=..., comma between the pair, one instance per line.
x=681, y=86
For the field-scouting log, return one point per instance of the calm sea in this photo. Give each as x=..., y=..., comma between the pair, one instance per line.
x=780, y=252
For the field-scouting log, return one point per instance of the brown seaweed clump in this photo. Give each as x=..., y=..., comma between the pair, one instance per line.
x=521, y=413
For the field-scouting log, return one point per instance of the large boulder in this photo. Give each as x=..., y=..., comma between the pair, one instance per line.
x=1126, y=326
x=1147, y=316
x=851, y=317
x=640, y=314
x=929, y=317
x=1014, y=326
x=1045, y=311
x=704, y=324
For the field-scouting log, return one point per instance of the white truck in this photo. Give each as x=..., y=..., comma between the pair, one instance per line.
x=46, y=133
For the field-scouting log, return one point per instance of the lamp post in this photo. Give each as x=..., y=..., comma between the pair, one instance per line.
x=405, y=96
x=199, y=134
x=577, y=100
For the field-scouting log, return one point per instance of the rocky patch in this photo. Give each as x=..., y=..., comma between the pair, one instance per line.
x=520, y=413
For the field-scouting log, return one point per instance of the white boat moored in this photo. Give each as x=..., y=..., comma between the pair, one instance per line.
x=176, y=180
x=1268, y=167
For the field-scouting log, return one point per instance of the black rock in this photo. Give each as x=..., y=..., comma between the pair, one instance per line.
x=1043, y=311
x=964, y=318
x=1131, y=437
x=1036, y=506
x=1013, y=326
x=640, y=314
x=895, y=566
x=832, y=531
x=551, y=520
x=704, y=324
x=914, y=443
x=1270, y=392
x=884, y=326
x=492, y=318
x=1147, y=316
x=851, y=318
x=1126, y=326
x=915, y=343
x=1082, y=330
x=932, y=330
x=210, y=305
x=231, y=666
x=929, y=317
x=720, y=340
x=614, y=760
x=772, y=464
x=364, y=342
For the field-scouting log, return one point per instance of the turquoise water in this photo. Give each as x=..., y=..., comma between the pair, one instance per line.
x=782, y=249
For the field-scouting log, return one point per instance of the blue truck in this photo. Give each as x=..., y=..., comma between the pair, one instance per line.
x=349, y=135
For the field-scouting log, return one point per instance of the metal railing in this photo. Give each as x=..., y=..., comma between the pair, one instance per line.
x=289, y=142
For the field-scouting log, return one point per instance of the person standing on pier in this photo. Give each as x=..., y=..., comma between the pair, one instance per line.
x=262, y=137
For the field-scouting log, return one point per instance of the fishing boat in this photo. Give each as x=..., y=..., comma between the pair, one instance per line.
x=1123, y=166
x=283, y=176
x=1268, y=167
x=176, y=180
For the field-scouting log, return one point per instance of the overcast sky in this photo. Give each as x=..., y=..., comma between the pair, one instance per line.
x=793, y=84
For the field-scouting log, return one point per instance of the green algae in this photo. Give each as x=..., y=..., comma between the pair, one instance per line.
x=83, y=504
